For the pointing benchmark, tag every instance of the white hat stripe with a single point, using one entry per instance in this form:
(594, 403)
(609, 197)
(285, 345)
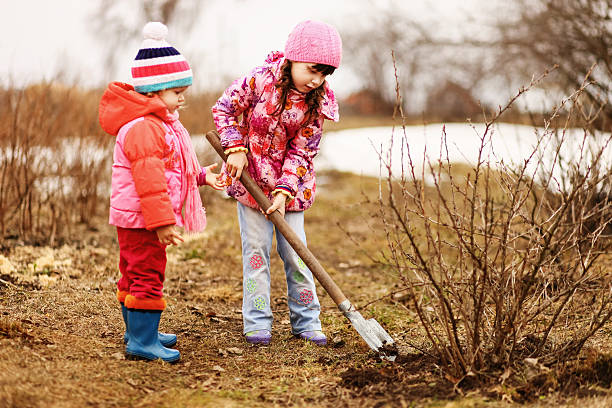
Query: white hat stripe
(162, 78)
(158, 65)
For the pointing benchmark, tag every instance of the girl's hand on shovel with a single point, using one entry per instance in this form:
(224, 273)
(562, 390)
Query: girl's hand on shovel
(278, 204)
(236, 162)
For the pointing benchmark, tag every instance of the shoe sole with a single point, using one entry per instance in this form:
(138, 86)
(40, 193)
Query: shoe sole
(318, 342)
(262, 342)
(167, 344)
(139, 357)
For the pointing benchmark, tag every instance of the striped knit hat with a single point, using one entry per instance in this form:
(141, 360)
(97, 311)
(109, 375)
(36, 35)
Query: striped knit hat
(158, 65)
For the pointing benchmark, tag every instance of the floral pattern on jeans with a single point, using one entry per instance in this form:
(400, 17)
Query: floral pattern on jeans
(306, 296)
(259, 303)
(251, 285)
(298, 277)
(256, 261)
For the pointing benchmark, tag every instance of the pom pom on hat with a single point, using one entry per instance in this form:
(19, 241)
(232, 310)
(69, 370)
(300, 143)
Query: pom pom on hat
(155, 31)
(314, 42)
(158, 65)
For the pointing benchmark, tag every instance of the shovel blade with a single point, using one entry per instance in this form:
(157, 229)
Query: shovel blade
(379, 331)
(371, 331)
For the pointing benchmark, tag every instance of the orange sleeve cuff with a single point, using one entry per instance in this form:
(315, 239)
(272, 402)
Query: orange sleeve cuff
(121, 295)
(132, 302)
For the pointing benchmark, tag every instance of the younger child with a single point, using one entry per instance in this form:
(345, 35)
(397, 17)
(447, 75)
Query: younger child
(155, 181)
(283, 104)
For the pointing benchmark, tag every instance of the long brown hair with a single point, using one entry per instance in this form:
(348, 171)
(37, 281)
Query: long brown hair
(313, 98)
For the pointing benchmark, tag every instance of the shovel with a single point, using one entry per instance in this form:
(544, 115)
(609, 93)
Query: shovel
(370, 330)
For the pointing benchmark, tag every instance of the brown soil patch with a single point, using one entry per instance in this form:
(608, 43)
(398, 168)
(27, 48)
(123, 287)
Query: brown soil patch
(61, 328)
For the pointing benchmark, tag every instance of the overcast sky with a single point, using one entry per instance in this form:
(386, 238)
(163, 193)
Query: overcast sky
(43, 37)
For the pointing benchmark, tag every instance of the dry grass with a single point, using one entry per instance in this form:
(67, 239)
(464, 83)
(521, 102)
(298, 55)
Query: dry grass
(55, 159)
(61, 327)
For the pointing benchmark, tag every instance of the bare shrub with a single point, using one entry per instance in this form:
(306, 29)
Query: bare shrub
(54, 161)
(197, 116)
(506, 263)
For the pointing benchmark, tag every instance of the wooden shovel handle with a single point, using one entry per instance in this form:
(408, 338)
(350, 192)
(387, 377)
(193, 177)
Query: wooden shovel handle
(277, 219)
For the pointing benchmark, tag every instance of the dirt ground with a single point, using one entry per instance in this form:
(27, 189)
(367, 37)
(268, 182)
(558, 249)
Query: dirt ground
(61, 327)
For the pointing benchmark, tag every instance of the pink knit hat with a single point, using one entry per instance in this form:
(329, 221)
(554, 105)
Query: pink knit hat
(314, 42)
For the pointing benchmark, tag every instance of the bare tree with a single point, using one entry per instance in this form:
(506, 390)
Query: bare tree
(54, 161)
(427, 54)
(115, 32)
(572, 34)
(368, 51)
(503, 45)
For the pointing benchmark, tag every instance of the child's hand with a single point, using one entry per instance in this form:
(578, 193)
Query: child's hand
(169, 235)
(236, 162)
(278, 204)
(214, 179)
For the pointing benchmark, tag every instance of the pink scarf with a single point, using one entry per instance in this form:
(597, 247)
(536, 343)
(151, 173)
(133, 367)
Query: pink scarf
(194, 215)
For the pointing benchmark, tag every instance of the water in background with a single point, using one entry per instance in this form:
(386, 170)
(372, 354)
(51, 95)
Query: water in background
(364, 151)
(360, 151)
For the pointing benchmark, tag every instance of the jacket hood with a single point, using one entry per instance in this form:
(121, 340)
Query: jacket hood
(120, 104)
(274, 61)
(329, 106)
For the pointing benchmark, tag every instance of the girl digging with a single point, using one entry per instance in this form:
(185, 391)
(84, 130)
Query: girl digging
(155, 180)
(283, 105)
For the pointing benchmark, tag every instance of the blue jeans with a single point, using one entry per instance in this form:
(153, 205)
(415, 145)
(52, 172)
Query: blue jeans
(256, 234)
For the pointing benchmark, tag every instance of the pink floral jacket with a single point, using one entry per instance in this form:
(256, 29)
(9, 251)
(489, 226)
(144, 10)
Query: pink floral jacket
(280, 151)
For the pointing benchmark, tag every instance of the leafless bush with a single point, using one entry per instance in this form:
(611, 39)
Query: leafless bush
(196, 116)
(54, 161)
(506, 262)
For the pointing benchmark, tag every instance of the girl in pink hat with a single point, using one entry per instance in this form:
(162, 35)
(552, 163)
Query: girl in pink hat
(270, 123)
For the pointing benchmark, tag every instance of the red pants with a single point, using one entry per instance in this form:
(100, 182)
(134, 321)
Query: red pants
(142, 263)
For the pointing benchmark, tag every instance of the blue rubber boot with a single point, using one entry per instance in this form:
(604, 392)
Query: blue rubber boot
(166, 339)
(144, 339)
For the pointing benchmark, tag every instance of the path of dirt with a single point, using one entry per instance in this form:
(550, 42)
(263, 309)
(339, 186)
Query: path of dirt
(61, 329)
